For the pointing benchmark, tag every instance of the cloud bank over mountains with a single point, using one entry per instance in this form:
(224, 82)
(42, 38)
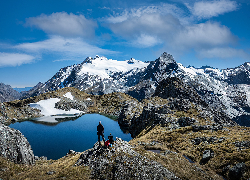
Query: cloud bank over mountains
(179, 29)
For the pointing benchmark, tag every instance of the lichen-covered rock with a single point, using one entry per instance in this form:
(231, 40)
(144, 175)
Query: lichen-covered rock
(68, 104)
(207, 155)
(122, 162)
(14, 146)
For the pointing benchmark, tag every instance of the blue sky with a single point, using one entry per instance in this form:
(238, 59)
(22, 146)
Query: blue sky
(37, 38)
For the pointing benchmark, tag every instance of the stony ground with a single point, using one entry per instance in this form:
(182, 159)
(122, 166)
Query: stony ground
(121, 162)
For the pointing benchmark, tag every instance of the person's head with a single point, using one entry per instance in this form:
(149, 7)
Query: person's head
(100, 122)
(110, 134)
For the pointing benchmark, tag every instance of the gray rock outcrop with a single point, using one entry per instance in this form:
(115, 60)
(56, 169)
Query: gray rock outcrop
(14, 146)
(121, 162)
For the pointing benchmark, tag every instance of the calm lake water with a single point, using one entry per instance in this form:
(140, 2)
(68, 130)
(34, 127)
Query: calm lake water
(54, 140)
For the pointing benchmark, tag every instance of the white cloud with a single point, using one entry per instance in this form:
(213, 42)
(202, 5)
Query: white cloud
(223, 53)
(155, 24)
(177, 30)
(15, 59)
(208, 9)
(144, 41)
(162, 9)
(67, 47)
(143, 27)
(64, 24)
(204, 35)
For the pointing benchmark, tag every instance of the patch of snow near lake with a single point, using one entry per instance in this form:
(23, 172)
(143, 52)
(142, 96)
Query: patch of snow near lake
(69, 95)
(47, 107)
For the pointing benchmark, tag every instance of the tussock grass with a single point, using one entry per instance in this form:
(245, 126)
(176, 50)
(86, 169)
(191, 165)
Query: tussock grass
(180, 141)
(52, 169)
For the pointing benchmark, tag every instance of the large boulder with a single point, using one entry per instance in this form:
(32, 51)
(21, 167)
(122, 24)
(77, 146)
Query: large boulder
(14, 146)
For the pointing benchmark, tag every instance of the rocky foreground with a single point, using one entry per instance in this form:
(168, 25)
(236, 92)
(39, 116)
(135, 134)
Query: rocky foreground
(14, 146)
(121, 162)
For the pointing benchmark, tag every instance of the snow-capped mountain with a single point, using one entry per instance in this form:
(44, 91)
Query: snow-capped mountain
(227, 90)
(97, 75)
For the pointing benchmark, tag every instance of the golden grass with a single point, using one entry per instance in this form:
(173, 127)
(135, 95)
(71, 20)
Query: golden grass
(178, 164)
(61, 169)
(226, 153)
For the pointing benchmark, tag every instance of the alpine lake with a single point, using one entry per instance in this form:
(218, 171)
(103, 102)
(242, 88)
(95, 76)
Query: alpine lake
(54, 139)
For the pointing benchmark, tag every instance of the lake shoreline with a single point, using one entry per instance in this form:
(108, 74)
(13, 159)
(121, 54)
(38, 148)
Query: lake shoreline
(85, 127)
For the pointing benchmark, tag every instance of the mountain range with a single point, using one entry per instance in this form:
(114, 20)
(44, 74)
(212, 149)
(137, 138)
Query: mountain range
(226, 90)
(180, 117)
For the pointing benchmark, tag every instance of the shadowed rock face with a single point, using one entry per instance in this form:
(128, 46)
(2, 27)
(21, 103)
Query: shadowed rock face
(175, 88)
(14, 146)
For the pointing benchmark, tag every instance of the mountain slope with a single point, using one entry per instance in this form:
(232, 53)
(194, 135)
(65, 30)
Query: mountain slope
(7, 93)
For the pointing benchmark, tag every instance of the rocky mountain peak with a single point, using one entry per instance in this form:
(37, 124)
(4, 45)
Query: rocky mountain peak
(131, 61)
(166, 63)
(161, 68)
(87, 60)
(238, 75)
(168, 58)
(7, 93)
(246, 65)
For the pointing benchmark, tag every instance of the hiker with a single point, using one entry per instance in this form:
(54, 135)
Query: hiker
(111, 140)
(100, 132)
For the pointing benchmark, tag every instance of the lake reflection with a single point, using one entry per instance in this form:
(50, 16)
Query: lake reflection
(54, 140)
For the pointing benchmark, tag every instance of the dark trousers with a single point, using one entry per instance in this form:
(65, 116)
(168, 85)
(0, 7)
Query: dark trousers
(102, 138)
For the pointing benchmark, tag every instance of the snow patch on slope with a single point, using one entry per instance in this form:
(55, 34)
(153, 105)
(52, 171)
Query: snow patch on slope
(47, 107)
(69, 95)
